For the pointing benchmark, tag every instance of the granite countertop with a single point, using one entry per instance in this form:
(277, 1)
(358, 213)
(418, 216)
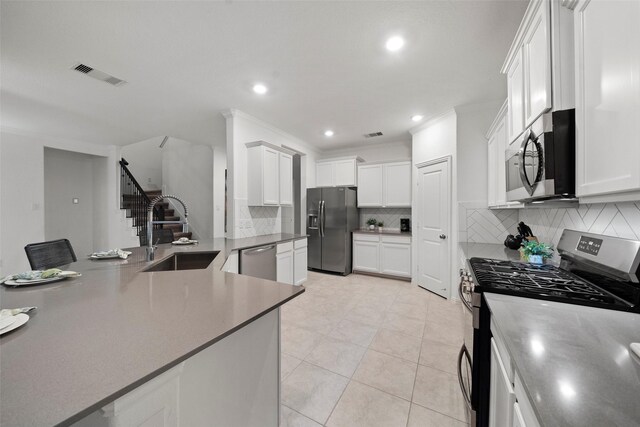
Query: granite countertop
(97, 337)
(389, 232)
(574, 361)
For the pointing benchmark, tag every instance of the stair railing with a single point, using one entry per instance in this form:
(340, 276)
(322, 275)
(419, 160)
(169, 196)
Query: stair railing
(135, 200)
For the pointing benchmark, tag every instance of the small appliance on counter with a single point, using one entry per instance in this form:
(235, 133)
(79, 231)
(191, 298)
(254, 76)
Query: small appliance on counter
(405, 224)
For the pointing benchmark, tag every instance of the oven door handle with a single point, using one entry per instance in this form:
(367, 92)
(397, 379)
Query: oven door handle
(461, 293)
(464, 353)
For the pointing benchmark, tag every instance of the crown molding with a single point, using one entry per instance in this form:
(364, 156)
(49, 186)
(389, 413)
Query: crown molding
(431, 121)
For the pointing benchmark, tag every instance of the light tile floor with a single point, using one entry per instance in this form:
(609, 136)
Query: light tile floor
(366, 351)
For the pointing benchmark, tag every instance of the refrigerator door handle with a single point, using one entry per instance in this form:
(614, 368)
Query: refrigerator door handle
(322, 217)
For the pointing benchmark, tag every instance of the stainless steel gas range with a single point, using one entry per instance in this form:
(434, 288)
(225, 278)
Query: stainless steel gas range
(595, 270)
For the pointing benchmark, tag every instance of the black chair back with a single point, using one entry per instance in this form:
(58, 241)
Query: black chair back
(55, 253)
(162, 235)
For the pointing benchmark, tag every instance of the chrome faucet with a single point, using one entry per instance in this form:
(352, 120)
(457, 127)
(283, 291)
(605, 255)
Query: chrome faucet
(151, 248)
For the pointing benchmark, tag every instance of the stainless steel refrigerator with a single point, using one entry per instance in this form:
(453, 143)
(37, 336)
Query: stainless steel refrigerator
(331, 217)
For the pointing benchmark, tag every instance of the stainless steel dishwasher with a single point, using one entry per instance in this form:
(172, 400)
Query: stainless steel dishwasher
(259, 262)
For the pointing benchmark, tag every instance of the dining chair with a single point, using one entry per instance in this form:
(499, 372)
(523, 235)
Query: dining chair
(51, 254)
(160, 235)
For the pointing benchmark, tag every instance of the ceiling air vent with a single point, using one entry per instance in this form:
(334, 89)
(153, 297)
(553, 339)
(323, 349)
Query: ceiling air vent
(372, 135)
(98, 75)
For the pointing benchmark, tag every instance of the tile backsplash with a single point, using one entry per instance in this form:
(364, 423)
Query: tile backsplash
(481, 225)
(389, 216)
(256, 220)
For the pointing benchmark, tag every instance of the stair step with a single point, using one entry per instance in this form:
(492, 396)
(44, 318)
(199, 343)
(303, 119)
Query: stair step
(168, 215)
(174, 227)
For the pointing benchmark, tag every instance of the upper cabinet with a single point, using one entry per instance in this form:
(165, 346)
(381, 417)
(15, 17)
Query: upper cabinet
(497, 144)
(607, 87)
(337, 172)
(269, 175)
(539, 65)
(384, 185)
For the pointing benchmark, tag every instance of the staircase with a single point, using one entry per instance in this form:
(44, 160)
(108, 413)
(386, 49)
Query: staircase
(135, 201)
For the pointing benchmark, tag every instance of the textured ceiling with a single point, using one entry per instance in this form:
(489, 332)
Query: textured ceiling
(324, 63)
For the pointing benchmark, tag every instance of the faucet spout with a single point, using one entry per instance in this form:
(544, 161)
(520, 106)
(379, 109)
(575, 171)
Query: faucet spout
(150, 222)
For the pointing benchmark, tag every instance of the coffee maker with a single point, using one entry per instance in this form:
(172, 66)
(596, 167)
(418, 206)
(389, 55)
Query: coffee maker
(405, 224)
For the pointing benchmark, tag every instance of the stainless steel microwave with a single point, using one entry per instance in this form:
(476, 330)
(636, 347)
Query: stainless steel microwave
(542, 163)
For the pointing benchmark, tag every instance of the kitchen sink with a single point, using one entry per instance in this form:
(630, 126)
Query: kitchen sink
(184, 261)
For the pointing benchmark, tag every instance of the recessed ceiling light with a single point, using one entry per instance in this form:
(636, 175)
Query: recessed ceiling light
(416, 118)
(328, 132)
(260, 89)
(394, 43)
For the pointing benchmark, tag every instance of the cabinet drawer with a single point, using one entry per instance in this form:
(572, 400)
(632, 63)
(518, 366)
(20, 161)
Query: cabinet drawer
(284, 247)
(396, 239)
(301, 243)
(366, 237)
(504, 354)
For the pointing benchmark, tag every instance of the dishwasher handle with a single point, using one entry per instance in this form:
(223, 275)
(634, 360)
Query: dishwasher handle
(258, 250)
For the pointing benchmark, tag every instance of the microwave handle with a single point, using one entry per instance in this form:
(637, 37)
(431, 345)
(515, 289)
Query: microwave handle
(523, 171)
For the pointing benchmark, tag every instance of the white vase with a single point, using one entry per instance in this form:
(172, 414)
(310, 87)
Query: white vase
(372, 227)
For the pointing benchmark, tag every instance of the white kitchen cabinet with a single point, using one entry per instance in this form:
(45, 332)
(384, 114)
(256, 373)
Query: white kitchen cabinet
(537, 64)
(286, 179)
(382, 254)
(397, 184)
(299, 261)
(284, 263)
(607, 38)
(501, 393)
(263, 187)
(337, 172)
(496, 170)
(231, 264)
(395, 256)
(370, 188)
(269, 175)
(518, 419)
(515, 96)
(384, 185)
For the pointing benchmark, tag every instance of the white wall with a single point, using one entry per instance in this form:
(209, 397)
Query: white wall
(69, 175)
(22, 192)
(187, 172)
(436, 139)
(145, 161)
(241, 129)
(384, 152)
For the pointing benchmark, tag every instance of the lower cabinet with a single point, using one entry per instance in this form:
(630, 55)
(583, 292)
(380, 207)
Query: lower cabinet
(231, 264)
(291, 265)
(386, 255)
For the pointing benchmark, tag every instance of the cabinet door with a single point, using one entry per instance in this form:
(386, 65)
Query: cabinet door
(501, 394)
(607, 40)
(537, 64)
(271, 176)
(518, 419)
(286, 179)
(370, 188)
(397, 185)
(345, 172)
(515, 97)
(325, 174)
(395, 259)
(300, 266)
(284, 272)
(366, 256)
(500, 168)
(492, 174)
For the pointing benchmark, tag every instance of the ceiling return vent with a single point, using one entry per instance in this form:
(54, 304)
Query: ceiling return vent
(372, 135)
(98, 75)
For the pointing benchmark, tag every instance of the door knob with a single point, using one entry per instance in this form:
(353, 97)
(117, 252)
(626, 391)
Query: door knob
(443, 236)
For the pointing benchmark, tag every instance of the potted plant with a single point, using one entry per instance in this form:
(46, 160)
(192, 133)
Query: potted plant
(380, 225)
(536, 252)
(372, 222)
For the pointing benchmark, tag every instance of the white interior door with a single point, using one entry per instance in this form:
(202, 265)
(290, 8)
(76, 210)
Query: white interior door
(434, 210)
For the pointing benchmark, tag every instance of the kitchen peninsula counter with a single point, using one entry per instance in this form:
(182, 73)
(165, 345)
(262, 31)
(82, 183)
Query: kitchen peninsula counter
(95, 338)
